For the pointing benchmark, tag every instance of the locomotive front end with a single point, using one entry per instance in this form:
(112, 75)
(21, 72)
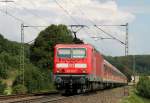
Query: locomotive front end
(70, 67)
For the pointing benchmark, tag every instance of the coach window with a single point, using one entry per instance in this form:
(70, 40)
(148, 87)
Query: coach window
(105, 67)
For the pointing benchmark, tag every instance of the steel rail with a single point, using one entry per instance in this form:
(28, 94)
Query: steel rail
(20, 96)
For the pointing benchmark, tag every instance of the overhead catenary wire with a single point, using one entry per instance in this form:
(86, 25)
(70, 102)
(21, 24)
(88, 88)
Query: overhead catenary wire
(80, 10)
(30, 12)
(14, 17)
(17, 18)
(6, 1)
(73, 19)
(21, 20)
(66, 11)
(109, 35)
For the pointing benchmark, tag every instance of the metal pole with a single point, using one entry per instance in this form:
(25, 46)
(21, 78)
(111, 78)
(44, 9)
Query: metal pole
(127, 41)
(134, 68)
(6, 1)
(22, 53)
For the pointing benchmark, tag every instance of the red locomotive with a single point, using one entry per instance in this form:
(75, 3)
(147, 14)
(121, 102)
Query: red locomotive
(80, 67)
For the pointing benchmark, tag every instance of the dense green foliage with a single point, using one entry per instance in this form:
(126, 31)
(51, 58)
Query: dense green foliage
(10, 69)
(35, 80)
(143, 87)
(19, 89)
(2, 87)
(8, 56)
(134, 98)
(142, 63)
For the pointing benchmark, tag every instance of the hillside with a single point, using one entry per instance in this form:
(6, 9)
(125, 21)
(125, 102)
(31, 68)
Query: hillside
(9, 57)
(142, 63)
(10, 73)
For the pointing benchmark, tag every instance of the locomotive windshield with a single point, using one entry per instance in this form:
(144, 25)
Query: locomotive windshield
(64, 53)
(71, 52)
(78, 52)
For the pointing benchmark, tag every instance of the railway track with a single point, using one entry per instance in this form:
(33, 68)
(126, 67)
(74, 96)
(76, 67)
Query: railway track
(48, 98)
(39, 99)
(26, 97)
(103, 95)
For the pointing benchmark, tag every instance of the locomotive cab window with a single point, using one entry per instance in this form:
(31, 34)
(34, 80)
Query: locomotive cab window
(71, 53)
(78, 52)
(64, 53)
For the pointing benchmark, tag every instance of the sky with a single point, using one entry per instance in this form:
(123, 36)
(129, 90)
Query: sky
(86, 12)
(139, 28)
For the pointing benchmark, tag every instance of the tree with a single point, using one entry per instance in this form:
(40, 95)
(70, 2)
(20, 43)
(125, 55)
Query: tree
(2, 87)
(143, 86)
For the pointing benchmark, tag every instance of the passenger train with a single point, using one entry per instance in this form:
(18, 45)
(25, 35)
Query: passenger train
(80, 67)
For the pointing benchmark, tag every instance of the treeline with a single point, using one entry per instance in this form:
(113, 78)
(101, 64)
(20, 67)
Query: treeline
(125, 64)
(10, 71)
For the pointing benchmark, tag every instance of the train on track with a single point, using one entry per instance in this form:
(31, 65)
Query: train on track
(80, 68)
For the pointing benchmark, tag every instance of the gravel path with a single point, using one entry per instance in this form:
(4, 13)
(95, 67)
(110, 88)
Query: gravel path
(105, 96)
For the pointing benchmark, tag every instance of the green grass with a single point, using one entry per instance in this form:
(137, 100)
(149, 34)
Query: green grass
(134, 98)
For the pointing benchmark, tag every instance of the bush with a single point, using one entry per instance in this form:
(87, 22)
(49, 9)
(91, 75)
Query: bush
(8, 91)
(19, 89)
(35, 79)
(2, 87)
(143, 87)
(3, 69)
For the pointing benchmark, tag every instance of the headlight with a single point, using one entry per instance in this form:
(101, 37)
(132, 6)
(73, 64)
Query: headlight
(80, 65)
(62, 65)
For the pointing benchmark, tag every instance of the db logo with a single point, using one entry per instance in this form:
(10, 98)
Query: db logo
(71, 65)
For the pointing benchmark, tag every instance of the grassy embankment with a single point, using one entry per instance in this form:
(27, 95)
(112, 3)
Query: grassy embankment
(134, 98)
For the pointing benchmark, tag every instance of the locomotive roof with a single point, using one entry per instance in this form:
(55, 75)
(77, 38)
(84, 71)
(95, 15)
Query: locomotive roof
(73, 45)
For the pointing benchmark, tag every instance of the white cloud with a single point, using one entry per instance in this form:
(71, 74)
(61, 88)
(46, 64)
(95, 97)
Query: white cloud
(46, 12)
